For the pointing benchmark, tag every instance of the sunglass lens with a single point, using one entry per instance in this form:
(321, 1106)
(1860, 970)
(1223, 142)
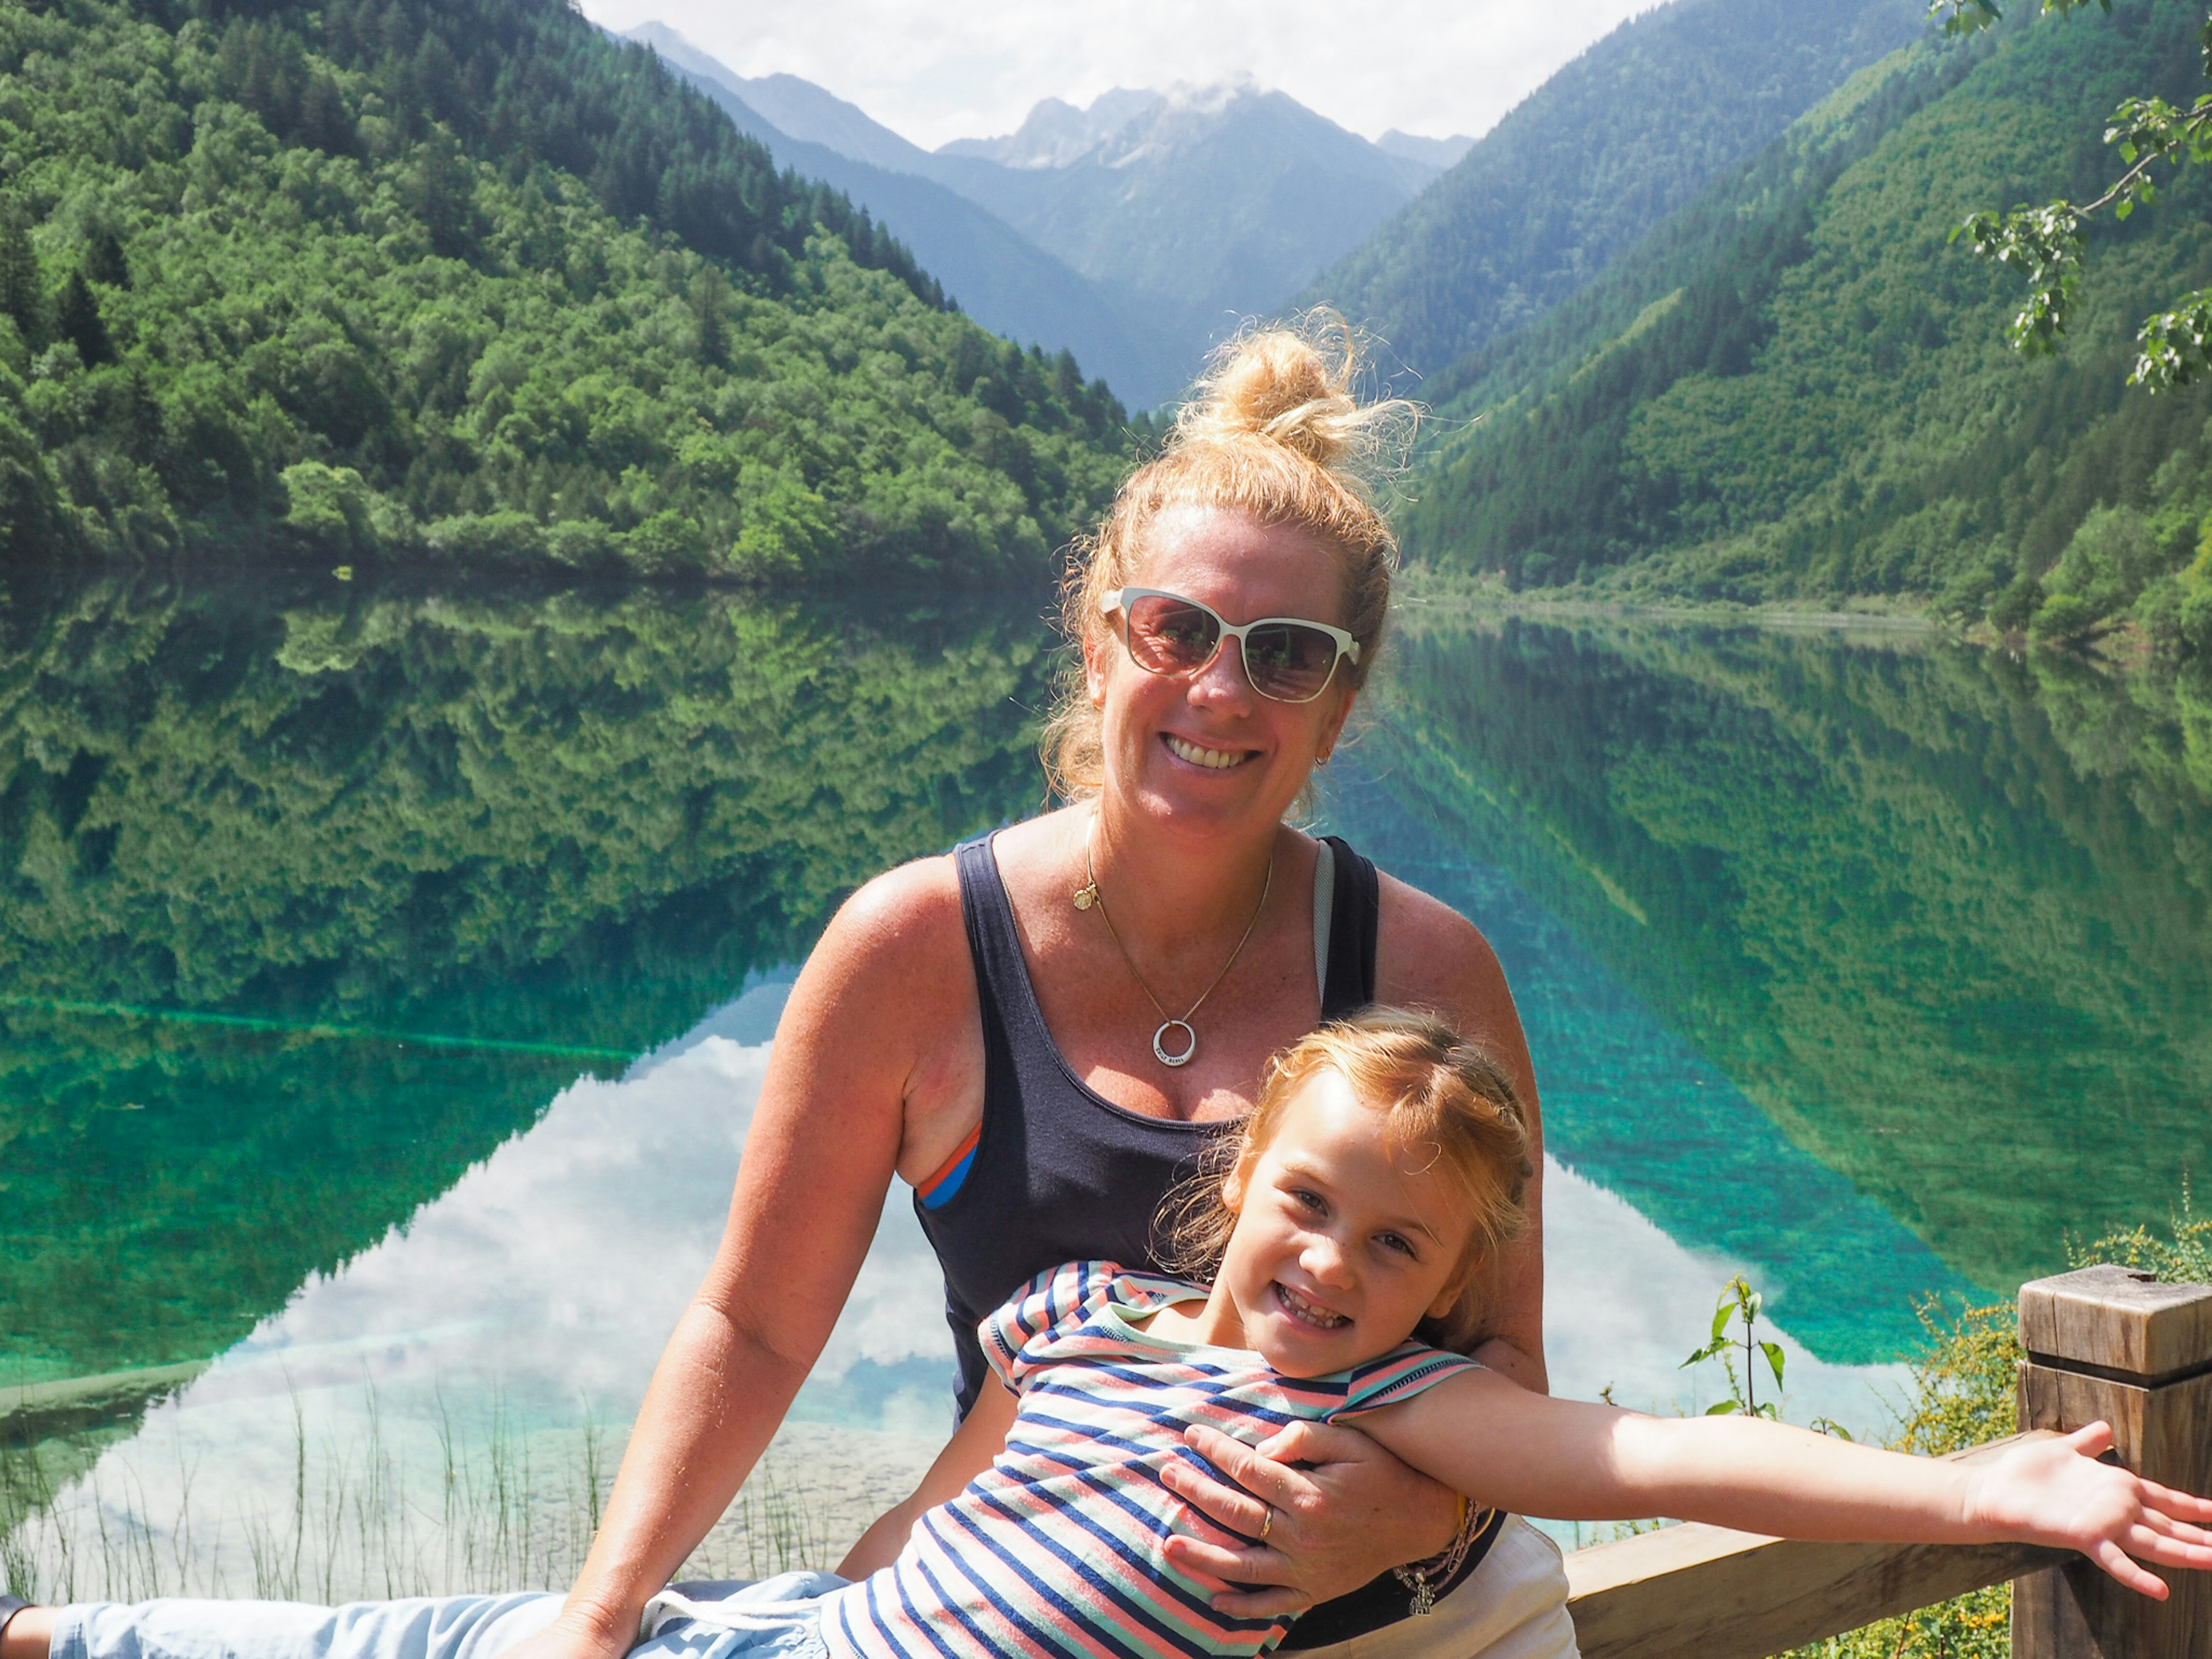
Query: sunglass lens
(1170, 636)
(1289, 661)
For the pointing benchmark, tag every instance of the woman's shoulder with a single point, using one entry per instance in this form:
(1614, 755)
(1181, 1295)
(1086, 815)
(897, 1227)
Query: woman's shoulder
(912, 907)
(1428, 955)
(903, 935)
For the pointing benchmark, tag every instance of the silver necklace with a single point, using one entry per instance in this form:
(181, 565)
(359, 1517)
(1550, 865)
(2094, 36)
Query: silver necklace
(1087, 896)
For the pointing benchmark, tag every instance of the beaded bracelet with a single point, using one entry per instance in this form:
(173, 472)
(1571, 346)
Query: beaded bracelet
(1417, 1577)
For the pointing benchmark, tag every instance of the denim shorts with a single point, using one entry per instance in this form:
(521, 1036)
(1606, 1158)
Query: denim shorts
(778, 1618)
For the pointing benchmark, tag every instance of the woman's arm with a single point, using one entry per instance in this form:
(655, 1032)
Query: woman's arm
(975, 1446)
(1428, 956)
(1508, 1448)
(864, 1027)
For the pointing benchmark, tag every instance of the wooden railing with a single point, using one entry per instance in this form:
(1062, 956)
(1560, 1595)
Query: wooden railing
(2102, 1342)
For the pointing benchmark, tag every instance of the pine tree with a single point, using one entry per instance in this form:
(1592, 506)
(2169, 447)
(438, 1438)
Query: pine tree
(78, 319)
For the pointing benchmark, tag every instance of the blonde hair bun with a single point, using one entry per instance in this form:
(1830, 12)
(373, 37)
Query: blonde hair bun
(1297, 385)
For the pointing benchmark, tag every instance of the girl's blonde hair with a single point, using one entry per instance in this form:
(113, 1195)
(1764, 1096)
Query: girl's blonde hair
(1276, 430)
(1441, 1097)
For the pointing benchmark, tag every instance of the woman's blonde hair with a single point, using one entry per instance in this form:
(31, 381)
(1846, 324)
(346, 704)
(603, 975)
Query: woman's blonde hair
(1444, 1099)
(1274, 429)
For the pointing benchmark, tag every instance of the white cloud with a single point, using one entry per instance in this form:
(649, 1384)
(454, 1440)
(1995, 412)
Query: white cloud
(935, 73)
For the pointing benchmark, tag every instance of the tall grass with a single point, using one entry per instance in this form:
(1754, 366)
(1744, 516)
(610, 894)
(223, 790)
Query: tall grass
(495, 1508)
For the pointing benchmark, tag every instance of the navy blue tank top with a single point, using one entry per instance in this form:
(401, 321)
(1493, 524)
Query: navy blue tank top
(1059, 1173)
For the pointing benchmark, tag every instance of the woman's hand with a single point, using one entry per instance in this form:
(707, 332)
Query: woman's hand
(578, 1632)
(2054, 1492)
(1347, 1512)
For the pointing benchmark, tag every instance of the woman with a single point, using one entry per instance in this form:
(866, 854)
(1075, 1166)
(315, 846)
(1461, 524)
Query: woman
(1039, 1032)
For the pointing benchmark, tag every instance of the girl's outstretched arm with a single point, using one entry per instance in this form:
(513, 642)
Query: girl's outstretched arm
(1508, 1448)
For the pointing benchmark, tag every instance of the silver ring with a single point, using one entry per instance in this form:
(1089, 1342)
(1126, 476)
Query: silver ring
(1266, 1521)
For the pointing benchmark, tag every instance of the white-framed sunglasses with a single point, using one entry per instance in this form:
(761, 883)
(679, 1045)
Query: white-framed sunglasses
(1286, 659)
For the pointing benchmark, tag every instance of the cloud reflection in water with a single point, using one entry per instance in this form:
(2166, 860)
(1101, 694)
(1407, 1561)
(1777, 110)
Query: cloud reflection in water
(548, 1277)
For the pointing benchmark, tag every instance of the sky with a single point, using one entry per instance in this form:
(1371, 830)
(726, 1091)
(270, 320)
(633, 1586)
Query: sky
(934, 72)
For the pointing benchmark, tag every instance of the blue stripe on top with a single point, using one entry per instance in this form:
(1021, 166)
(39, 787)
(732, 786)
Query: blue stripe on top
(1056, 1550)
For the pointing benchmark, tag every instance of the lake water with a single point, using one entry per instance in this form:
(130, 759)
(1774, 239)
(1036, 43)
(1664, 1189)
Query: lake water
(386, 978)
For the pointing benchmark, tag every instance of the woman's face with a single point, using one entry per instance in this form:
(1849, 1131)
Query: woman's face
(1208, 753)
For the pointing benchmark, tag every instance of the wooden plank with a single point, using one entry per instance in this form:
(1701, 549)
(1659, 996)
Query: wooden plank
(2164, 1434)
(1698, 1592)
(2117, 1322)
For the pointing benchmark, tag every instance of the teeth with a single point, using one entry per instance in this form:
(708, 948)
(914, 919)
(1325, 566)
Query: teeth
(1219, 759)
(1311, 1312)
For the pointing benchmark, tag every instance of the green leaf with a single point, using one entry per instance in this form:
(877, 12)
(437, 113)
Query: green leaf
(1726, 1408)
(1773, 1353)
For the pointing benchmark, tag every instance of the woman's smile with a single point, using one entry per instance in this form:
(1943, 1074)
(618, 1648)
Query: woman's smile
(1214, 760)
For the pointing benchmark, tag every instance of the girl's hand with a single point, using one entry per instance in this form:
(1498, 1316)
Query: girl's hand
(2054, 1492)
(1347, 1512)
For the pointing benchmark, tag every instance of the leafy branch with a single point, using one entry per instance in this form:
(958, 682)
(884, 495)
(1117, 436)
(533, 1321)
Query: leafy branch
(1739, 1301)
(2046, 245)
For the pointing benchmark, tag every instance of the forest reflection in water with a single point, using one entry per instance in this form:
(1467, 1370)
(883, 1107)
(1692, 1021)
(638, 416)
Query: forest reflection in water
(385, 978)
(1938, 915)
(313, 899)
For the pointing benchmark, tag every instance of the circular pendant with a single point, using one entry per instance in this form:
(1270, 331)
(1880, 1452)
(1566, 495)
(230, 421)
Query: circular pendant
(1160, 1047)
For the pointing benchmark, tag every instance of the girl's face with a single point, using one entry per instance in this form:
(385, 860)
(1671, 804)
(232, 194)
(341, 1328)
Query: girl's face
(1209, 752)
(1340, 1250)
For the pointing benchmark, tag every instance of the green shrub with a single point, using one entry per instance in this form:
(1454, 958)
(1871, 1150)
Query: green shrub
(2013, 609)
(2192, 620)
(2183, 1257)
(488, 539)
(328, 505)
(2111, 557)
(581, 544)
(2065, 618)
(1964, 1395)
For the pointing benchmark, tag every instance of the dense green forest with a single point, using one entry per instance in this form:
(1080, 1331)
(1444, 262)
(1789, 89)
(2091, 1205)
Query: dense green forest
(1584, 166)
(1940, 912)
(1800, 386)
(560, 830)
(471, 282)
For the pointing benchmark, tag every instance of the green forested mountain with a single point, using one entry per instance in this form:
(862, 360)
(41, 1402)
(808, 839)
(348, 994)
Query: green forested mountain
(1593, 159)
(468, 281)
(1800, 385)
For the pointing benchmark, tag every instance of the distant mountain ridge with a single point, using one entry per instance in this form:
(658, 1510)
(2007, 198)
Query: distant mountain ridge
(1135, 232)
(1203, 205)
(1592, 160)
(1439, 153)
(999, 277)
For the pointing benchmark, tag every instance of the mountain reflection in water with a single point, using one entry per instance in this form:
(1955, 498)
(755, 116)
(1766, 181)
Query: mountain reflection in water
(374, 970)
(1911, 937)
(551, 830)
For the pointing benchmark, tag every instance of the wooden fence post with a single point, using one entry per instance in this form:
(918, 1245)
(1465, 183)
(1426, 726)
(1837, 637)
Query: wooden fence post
(2112, 1344)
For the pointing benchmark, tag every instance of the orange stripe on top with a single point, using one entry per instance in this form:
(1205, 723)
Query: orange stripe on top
(951, 1169)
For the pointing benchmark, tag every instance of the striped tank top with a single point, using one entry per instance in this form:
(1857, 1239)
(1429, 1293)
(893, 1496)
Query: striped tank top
(1055, 1551)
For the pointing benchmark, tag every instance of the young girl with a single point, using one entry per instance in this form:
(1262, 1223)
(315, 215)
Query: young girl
(1382, 1165)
